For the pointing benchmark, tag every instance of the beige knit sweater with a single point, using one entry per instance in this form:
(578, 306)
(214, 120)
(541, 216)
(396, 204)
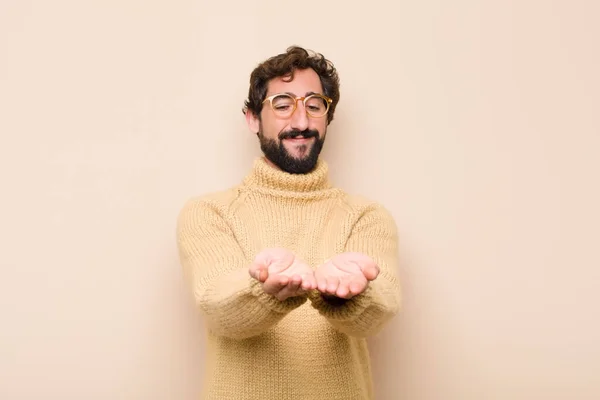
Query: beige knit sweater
(259, 348)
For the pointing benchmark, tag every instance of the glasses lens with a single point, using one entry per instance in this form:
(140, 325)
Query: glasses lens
(316, 106)
(283, 105)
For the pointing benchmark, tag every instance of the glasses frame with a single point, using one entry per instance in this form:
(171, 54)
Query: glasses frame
(328, 101)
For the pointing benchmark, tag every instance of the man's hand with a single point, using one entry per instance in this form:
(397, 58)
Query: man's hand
(282, 274)
(346, 275)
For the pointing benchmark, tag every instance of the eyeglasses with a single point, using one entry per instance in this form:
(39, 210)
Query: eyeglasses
(284, 105)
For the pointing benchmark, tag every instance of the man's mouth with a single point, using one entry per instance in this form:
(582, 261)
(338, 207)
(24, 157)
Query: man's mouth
(299, 138)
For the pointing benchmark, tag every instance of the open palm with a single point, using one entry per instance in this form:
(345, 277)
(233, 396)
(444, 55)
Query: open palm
(346, 275)
(282, 273)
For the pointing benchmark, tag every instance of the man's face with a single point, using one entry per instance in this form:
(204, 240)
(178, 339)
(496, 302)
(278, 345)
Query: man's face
(293, 144)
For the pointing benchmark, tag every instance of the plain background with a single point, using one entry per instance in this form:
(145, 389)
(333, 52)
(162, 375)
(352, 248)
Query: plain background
(475, 122)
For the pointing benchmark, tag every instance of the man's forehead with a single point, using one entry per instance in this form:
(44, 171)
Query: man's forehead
(305, 82)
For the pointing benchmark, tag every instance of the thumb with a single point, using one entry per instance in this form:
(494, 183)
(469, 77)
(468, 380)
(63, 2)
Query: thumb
(370, 270)
(258, 271)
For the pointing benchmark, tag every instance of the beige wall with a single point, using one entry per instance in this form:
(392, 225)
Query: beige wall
(476, 123)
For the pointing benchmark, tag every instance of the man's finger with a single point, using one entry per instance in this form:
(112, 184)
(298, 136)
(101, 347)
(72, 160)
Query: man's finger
(309, 282)
(321, 282)
(356, 287)
(263, 274)
(293, 285)
(275, 283)
(332, 284)
(258, 272)
(370, 270)
(291, 289)
(343, 290)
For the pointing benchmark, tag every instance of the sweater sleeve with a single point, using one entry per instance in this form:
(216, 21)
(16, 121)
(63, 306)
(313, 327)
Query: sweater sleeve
(374, 234)
(232, 303)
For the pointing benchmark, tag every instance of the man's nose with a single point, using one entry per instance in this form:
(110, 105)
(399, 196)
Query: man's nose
(299, 118)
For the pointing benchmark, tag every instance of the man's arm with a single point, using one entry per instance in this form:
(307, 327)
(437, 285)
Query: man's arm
(375, 235)
(232, 302)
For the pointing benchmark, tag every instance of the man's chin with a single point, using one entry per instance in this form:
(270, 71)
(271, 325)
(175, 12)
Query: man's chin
(297, 163)
(296, 158)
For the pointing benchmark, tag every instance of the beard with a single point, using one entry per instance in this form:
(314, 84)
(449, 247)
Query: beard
(276, 152)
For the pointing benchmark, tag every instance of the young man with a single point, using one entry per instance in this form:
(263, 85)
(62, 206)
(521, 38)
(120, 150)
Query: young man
(290, 273)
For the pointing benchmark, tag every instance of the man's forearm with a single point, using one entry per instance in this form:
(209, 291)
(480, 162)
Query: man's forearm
(363, 315)
(236, 306)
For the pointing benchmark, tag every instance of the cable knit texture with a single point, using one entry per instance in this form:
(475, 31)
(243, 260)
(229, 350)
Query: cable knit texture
(304, 348)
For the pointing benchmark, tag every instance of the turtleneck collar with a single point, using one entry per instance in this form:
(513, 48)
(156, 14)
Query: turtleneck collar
(265, 176)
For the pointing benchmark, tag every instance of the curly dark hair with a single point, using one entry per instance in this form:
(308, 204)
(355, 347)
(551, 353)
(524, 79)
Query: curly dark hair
(284, 65)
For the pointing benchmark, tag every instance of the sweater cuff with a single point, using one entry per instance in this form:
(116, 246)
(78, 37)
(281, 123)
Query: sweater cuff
(271, 302)
(341, 309)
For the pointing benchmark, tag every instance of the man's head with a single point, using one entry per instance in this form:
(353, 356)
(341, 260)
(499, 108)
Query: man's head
(291, 101)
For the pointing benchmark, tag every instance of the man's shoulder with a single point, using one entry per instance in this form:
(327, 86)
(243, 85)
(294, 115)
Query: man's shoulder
(217, 202)
(361, 204)
(223, 196)
(367, 211)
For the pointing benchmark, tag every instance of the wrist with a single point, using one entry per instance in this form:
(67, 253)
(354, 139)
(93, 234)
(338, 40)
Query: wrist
(338, 308)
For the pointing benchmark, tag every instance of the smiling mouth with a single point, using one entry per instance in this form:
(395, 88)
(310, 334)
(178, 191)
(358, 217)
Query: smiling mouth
(298, 138)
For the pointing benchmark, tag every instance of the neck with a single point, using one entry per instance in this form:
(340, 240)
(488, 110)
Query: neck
(266, 175)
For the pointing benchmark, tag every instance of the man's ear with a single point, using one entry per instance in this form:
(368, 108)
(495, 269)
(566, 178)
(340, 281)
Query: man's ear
(252, 121)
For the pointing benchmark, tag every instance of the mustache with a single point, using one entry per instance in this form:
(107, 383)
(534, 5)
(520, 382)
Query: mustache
(308, 133)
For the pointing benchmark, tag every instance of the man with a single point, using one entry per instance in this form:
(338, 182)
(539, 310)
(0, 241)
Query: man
(290, 273)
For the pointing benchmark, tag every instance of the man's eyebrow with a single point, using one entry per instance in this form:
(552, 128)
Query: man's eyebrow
(306, 94)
